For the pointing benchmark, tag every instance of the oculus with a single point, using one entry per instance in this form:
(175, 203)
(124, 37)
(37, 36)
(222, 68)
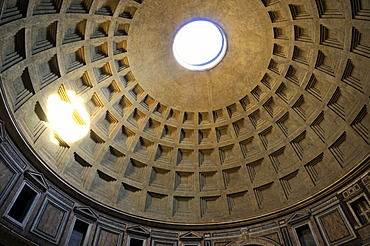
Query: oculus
(199, 45)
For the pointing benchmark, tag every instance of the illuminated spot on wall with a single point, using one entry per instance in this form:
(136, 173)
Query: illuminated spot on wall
(67, 116)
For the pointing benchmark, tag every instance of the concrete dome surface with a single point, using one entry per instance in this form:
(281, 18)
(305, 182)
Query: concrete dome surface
(271, 128)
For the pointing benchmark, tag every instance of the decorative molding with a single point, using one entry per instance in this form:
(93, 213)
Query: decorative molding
(190, 236)
(86, 212)
(138, 230)
(298, 217)
(37, 178)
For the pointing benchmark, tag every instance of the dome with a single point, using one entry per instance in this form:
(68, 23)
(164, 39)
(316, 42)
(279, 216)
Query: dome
(270, 128)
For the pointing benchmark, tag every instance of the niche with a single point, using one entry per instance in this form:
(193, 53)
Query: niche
(78, 235)
(20, 208)
(305, 236)
(136, 242)
(361, 209)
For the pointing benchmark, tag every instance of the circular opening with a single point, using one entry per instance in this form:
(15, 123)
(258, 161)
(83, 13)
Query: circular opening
(199, 45)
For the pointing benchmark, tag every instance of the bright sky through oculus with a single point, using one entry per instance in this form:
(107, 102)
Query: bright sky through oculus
(199, 45)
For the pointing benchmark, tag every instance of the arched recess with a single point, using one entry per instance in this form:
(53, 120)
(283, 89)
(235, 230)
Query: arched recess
(251, 241)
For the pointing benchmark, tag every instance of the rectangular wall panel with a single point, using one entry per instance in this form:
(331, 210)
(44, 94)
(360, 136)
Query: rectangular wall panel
(109, 232)
(107, 237)
(51, 220)
(334, 226)
(8, 177)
